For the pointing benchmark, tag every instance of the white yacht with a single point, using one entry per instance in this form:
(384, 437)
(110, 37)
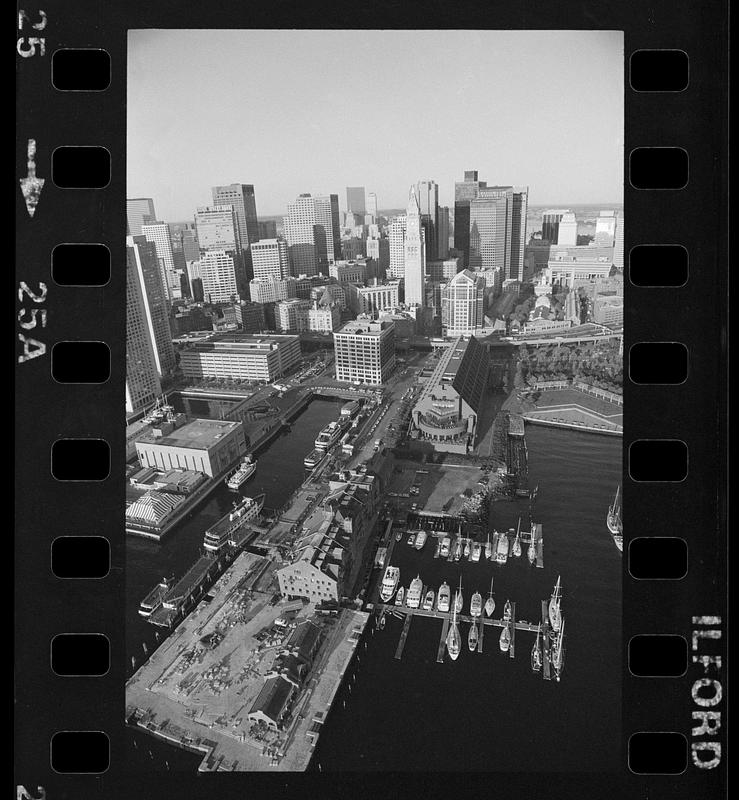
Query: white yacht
(389, 583)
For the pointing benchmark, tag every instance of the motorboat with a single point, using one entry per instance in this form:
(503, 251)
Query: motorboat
(389, 583)
(476, 605)
(442, 599)
(400, 596)
(472, 637)
(413, 600)
(490, 603)
(428, 601)
(505, 639)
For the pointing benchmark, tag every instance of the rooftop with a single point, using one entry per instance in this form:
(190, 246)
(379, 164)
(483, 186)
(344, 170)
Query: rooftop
(241, 342)
(200, 434)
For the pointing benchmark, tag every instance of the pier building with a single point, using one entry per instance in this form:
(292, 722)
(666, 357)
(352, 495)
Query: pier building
(209, 446)
(446, 412)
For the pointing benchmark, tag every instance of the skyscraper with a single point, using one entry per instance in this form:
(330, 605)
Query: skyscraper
(462, 304)
(428, 201)
(312, 233)
(241, 197)
(442, 234)
(464, 192)
(550, 220)
(270, 258)
(139, 211)
(355, 200)
(218, 273)
(567, 230)
(267, 229)
(414, 252)
(217, 228)
(618, 242)
(497, 230)
(143, 266)
(396, 246)
(159, 234)
(372, 205)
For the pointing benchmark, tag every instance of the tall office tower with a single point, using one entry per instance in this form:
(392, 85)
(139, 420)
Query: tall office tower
(142, 377)
(605, 228)
(270, 258)
(312, 233)
(372, 206)
(141, 257)
(158, 233)
(567, 234)
(550, 224)
(497, 230)
(355, 200)
(618, 242)
(267, 229)
(464, 192)
(462, 302)
(217, 228)
(414, 252)
(428, 202)
(190, 246)
(443, 270)
(218, 273)
(442, 233)
(139, 211)
(364, 351)
(396, 246)
(241, 197)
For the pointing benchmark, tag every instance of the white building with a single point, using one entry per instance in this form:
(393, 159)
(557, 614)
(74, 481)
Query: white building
(218, 273)
(353, 271)
(217, 229)
(139, 211)
(270, 259)
(159, 234)
(414, 252)
(291, 316)
(567, 236)
(374, 298)
(270, 290)
(323, 319)
(312, 233)
(396, 240)
(462, 304)
(364, 351)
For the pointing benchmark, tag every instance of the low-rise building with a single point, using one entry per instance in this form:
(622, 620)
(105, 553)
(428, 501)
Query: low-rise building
(351, 271)
(273, 702)
(291, 316)
(323, 319)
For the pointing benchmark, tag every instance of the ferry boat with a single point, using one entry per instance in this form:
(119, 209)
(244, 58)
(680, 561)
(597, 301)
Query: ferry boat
(331, 434)
(414, 593)
(242, 473)
(555, 614)
(505, 639)
(428, 601)
(453, 639)
(476, 550)
(488, 548)
(536, 657)
(350, 409)
(218, 535)
(517, 541)
(501, 556)
(400, 596)
(613, 521)
(459, 598)
(472, 637)
(389, 583)
(314, 458)
(421, 537)
(153, 600)
(444, 551)
(558, 656)
(476, 604)
(490, 603)
(442, 599)
(507, 611)
(412, 539)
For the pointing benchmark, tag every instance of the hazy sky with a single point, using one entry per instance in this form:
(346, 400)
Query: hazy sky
(316, 111)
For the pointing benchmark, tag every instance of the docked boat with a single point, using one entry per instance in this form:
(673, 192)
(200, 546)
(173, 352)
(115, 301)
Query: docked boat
(414, 593)
(516, 550)
(457, 549)
(613, 521)
(555, 614)
(458, 598)
(490, 603)
(438, 548)
(398, 536)
(314, 458)
(331, 434)
(536, 656)
(476, 604)
(400, 596)
(476, 550)
(488, 548)
(558, 655)
(381, 622)
(219, 535)
(445, 542)
(389, 583)
(242, 473)
(453, 639)
(501, 555)
(154, 599)
(411, 539)
(350, 409)
(472, 637)
(507, 611)
(505, 639)
(532, 546)
(421, 537)
(467, 549)
(442, 599)
(428, 601)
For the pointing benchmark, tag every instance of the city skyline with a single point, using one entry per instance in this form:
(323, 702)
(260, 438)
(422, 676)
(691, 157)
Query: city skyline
(373, 140)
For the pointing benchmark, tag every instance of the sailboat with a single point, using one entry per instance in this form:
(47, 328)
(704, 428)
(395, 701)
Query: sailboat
(517, 541)
(507, 611)
(558, 654)
(536, 659)
(488, 548)
(458, 598)
(555, 615)
(505, 639)
(532, 546)
(472, 637)
(490, 603)
(613, 521)
(453, 639)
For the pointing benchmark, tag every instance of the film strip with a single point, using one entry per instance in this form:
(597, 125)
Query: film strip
(70, 368)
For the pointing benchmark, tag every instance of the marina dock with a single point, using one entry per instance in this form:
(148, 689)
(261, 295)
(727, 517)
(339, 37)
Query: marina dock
(545, 631)
(403, 636)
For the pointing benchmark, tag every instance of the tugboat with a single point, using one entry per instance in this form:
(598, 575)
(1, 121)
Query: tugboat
(414, 592)
(428, 603)
(476, 605)
(442, 600)
(613, 521)
(472, 637)
(505, 639)
(555, 615)
(488, 548)
(517, 541)
(536, 658)
(458, 598)
(389, 583)
(490, 603)
(400, 596)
